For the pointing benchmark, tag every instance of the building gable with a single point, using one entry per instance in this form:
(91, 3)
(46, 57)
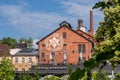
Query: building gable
(68, 26)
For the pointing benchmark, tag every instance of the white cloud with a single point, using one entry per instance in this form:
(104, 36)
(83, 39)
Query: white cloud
(81, 9)
(35, 24)
(31, 23)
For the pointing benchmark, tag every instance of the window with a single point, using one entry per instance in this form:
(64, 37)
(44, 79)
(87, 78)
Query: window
(52, 55)
(16, 60)
(73, 51)
(81, 48)
(43, 45)
(64, 35)
(64, 45)
(65, 55)
(23, 60)
(43, 55)
(79, 59)
(23, 69)
(30, 60)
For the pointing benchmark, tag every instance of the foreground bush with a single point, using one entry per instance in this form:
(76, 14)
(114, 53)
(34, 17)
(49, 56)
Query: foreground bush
(100, 75)
(117, 76)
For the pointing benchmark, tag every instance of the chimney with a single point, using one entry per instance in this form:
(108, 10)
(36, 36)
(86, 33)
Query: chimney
(80, 23)
(91, 31)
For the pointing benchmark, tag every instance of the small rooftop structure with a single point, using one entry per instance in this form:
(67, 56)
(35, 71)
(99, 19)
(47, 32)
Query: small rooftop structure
(21, 46)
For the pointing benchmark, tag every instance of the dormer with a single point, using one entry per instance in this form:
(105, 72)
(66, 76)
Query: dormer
(65, 23)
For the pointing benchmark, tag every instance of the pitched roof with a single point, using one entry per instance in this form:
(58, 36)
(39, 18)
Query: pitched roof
(4, 50)
(66, 24)
(27, 52)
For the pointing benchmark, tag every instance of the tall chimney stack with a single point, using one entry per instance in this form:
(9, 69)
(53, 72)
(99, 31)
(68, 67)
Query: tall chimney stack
(91, 31)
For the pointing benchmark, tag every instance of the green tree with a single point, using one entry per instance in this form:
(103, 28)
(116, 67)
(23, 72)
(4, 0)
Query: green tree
(22, 40)
(85, 76)
(6, 69)
(108, 33)
(117, 76)
(37, 75)
(29, 42)
(24, 76)
(0, 42)
(20, 77)
(100, 75)
(9, 41)
(52, 78)
(69, 69)
(78, 74)
(90, 64)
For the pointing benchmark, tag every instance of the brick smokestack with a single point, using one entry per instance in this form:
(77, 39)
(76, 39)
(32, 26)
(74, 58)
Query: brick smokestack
(91, 31)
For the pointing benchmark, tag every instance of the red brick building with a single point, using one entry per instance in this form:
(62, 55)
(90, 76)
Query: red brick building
(65, 45)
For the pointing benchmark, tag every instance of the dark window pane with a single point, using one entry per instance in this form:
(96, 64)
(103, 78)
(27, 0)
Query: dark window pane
(43, 55)
(64, 35)
(16, 60)
(79, 48)
(30, 60)
(23, 60)
(83, 48)
(43, 45)
(64, 44)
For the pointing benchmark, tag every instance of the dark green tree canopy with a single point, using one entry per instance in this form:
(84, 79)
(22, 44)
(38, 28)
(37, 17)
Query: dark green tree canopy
(9, 41)
(108, 33)
(77, 74)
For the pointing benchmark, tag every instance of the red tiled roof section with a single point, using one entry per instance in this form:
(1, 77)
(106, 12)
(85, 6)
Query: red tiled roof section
(4, 50)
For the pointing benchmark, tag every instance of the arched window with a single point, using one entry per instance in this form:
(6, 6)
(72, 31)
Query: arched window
(30, 60)
(23, 60)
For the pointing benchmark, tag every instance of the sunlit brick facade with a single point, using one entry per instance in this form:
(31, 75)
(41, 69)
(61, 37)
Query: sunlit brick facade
(67, 46)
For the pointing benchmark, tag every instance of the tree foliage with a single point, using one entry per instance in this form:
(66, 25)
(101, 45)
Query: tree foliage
(117, 76)
(52, 78)
(78, 74)
(24, 76)
(108, 33)
(9, 41)
(37, 75)
(106, 4)
(100, 75)
(69, 69)
(90, 64)
(28, 42)
(6, 70)
(22, 40)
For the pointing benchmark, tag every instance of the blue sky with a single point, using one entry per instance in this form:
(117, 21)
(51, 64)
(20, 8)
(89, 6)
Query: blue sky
(37, 18)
